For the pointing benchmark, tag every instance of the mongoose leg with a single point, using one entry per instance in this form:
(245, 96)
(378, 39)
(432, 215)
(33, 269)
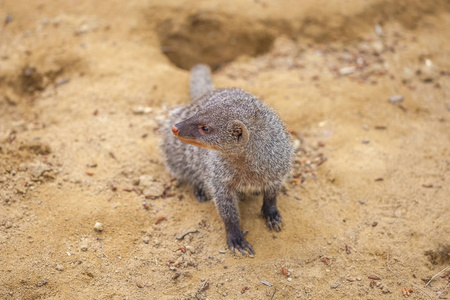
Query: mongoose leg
(199, 193)
(227, 207)
(270, 210)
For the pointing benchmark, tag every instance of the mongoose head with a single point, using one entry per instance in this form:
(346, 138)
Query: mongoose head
(215, 128)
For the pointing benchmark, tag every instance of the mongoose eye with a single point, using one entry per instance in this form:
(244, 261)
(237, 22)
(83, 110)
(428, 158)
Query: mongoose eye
(204, 129)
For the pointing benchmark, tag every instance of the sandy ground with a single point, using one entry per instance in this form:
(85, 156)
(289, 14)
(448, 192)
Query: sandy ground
(85, 85)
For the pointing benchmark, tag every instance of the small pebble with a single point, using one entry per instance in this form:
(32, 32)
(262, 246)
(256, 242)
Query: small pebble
(360, 61)
(396, 98)
(59, 267)
(98, 227)
(190, 249)
(385, 290)
(429, 72)
(37, 169)
(62, 81)
(378, 30)
(335, 285)
(296, 143)
(378, 46)
(365, 141)
(289, 279)
(8, 19)
(84, 248)
(139, 110)
(222, 251)
(266, 283)
(358, 278)
(347, 70)
(362, 202)
(408, 74)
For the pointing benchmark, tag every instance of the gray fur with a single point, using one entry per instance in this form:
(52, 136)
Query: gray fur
(236, 165)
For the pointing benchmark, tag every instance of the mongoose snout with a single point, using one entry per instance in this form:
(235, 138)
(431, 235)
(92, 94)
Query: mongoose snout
(224, 143)
(175, 130)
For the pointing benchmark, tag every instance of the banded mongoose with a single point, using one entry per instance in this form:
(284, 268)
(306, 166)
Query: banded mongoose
(224, 143)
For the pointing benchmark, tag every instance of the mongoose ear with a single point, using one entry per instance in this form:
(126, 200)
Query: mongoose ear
(239, 131)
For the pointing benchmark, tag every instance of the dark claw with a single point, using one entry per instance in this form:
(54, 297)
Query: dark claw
(277, 228)
(250, 249)
(239, 243)
(242, 251)
(199, 194)
(273, 219)
(269, 223)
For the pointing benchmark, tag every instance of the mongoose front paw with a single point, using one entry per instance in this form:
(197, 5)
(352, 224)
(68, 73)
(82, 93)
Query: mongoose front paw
(200, 194)
(237, 241)
(273, 218)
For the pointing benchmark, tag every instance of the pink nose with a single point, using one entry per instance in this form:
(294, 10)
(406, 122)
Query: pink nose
(175, 130)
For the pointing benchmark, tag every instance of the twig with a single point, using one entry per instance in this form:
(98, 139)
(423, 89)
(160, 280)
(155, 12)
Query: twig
(181, 236)
(396, 273)
(275, 290)
(100, 241)
(445, 269)
(156, 261)
(204, 285)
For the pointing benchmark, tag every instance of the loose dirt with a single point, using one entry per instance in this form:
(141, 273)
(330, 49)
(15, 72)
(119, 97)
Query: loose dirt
(362, 85)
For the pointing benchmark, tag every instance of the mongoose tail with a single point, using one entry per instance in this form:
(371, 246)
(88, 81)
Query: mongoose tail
(200, 82)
